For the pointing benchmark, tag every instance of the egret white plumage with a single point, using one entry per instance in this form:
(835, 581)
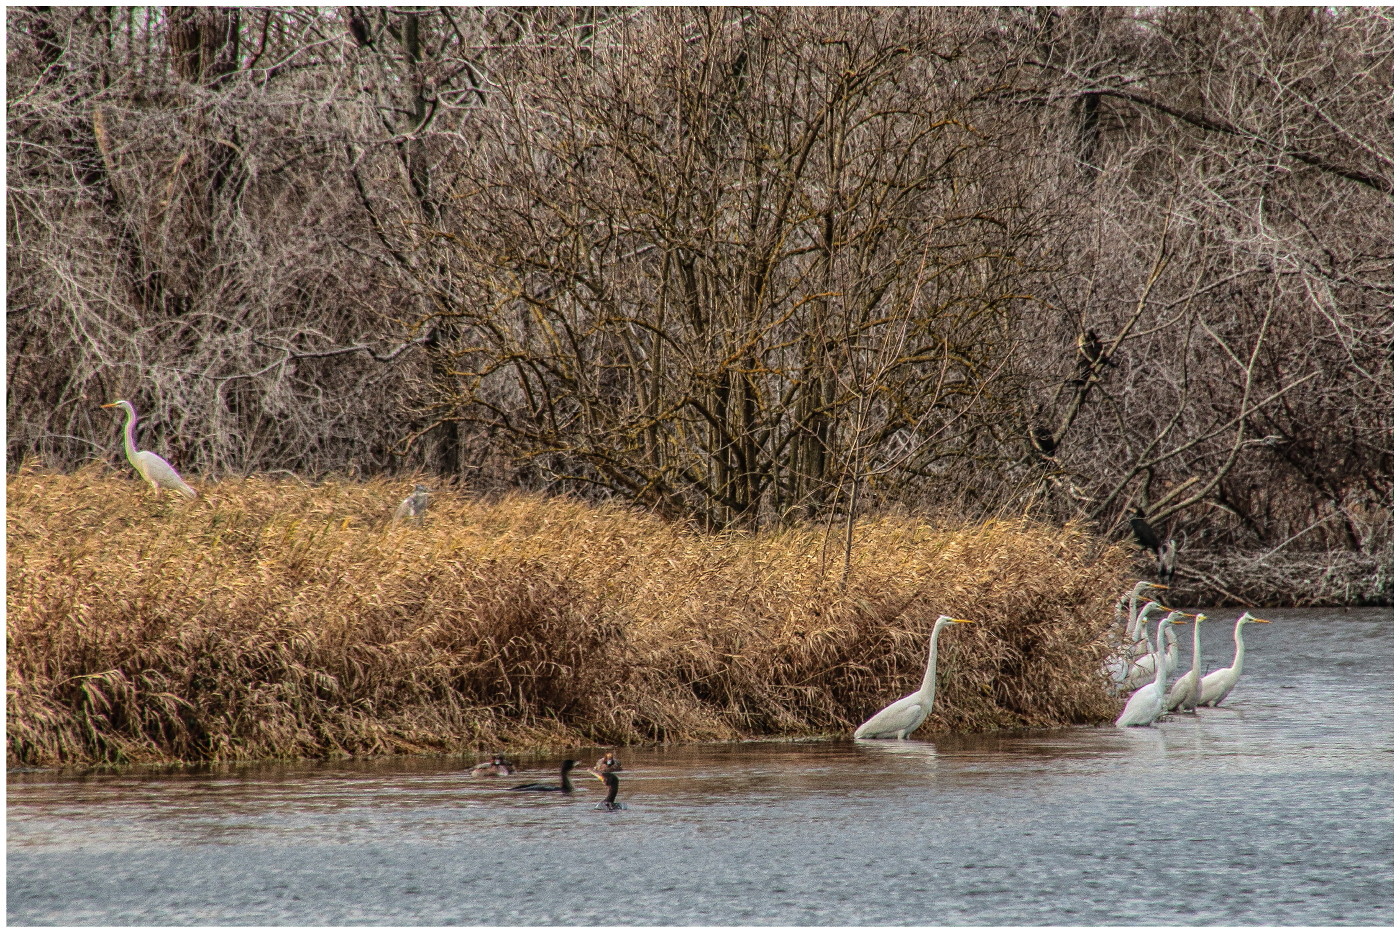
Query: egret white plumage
(1121, 667)
(1145, 706)
(1185, 694)
(414, 506)
(153, 468)
(1127, 607)
(1145, 667)
(906, 714)
(1216, 685)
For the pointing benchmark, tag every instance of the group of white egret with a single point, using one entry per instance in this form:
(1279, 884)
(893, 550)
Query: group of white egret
(1155, 663)
(1139, 665)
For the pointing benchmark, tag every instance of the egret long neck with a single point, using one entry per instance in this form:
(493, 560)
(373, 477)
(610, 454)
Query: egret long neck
(1239, 646)
(1161, 677)
(130, 434)
(1127, 603)
(1196, 649)
(927, 686)
(1140, 623)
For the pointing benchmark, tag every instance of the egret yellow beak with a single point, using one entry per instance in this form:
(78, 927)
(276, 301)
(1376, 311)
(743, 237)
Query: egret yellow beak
(966, 621)
(110, 405)
(1265, 621)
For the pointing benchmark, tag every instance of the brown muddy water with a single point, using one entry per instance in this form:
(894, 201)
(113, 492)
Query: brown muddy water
(1276, 809)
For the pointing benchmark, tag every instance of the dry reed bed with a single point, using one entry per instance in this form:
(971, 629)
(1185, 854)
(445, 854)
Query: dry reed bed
(269, 619)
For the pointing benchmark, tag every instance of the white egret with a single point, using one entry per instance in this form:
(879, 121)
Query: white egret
(1127, 607)
(1120, 667)
(1216, 685)
(608, 763)
(1185, 694)
(610, 802)
(153, 468)
(563, 786)
(496, 767)
(414, 506)
(1145, 706)
(1145, 667)
(906, 714)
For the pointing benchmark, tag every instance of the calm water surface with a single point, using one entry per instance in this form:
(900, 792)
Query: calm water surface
(1277, 810)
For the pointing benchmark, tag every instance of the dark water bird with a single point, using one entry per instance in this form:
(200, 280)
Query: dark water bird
(608, 763)
(1148, 539)
(1146, 535)
(564, 786)
(610, 802)
(496, 767)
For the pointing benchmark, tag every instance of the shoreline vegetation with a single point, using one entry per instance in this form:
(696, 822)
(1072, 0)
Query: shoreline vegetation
(271, 619)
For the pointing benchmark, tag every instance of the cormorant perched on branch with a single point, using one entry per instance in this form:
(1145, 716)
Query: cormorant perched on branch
(1146, 535)
(1148, 539)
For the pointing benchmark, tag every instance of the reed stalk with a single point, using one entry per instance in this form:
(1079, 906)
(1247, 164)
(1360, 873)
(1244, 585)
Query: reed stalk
(269, 619)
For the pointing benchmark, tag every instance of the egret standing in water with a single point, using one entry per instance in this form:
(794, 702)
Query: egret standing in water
(1146, 705)
(1145, 667)
(1128, 604)
(906, 714)
(1186, 692)
(1120, 667)
(564, 786)
(1216, 685)
(153, 468)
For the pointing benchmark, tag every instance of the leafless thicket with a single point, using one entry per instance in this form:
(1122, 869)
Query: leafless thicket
(742, 266)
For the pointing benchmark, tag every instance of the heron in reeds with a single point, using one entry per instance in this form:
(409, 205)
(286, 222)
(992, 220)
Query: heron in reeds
(608, 763)
(564, 786)
(610, 802)
(1145, 706)
(412, 508)
(1216, 685)
(152, 467)
(906, 714)
(1185, 694)
(496, 767)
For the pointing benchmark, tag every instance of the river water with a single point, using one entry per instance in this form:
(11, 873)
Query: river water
(1276, 809)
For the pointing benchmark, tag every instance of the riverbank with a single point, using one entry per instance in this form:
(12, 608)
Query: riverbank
(269, 619)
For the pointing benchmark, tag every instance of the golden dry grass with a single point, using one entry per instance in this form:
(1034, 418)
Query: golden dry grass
(271, 619)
